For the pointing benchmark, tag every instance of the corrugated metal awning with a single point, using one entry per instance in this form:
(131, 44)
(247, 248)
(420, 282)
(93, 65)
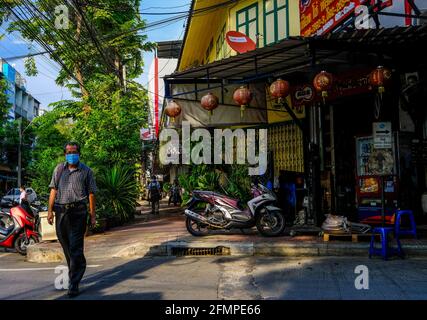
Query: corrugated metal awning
(297, 53)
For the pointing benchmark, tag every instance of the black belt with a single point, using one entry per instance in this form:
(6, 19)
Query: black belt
(73, 205)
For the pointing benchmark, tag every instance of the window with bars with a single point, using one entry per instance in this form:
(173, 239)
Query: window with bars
(247, 21)
(276, 21)
(286, 144)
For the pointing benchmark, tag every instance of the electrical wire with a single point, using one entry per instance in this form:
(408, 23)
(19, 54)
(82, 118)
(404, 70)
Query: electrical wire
(166, 64)
(175, 7)
(93, 36)
(165, 22)
(35, 36)
(45, 67)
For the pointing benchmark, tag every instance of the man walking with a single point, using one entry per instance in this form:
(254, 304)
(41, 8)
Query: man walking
(175, 193)
(154, 195)
(72, 187)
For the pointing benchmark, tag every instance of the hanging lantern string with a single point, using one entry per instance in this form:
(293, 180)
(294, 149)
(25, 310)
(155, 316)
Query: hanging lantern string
(236, 106)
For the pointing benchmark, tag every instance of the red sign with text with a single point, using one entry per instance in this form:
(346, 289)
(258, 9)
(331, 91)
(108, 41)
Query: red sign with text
(318, 17)
(240, 42)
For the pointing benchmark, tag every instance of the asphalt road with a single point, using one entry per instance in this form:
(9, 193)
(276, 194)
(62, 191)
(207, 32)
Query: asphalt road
(229, 278)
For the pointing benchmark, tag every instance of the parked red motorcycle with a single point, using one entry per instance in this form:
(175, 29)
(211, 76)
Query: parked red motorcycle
(18, 229)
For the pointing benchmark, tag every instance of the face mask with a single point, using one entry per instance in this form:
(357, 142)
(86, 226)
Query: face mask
(72, 158)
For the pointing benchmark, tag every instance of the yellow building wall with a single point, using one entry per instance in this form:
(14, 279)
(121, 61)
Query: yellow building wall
(207, 27)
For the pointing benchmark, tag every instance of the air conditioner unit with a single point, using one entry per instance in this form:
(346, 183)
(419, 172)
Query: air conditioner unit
(422, 19)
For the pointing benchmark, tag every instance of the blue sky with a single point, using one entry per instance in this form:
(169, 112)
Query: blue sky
(43, 86)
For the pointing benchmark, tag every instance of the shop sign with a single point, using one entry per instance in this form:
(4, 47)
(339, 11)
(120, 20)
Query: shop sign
(318, 17)
(302, 95)
(382, 135)
(276, 112)
(146, 134)
(240, 42)
(349, 83)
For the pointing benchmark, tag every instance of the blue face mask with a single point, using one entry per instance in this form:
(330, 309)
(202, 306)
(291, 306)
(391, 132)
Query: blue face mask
(72, 158)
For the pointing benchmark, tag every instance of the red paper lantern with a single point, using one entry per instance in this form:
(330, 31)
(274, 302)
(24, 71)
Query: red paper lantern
(323, 82)
(209, 102)
(279, 89)
(173, 110)
(379, 78)
(243, 97)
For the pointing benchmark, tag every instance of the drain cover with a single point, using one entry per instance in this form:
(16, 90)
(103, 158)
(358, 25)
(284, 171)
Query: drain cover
(217, 251)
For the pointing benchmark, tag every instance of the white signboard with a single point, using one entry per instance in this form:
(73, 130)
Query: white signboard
(146, 134)
(382, 135)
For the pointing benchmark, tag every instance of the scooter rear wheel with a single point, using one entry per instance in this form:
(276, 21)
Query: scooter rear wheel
(21, 246)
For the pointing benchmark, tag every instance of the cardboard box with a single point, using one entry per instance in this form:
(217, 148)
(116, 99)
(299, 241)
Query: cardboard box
(47, 231)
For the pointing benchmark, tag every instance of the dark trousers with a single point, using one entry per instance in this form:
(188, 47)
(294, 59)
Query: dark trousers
(155, 203)
(71, 229)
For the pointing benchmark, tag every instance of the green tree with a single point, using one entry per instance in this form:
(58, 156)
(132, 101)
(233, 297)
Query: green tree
(52, 130)
(100, 56)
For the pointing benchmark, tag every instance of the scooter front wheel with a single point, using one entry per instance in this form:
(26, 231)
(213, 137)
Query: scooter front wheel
(270, 223)
(21, 244)
(196, 228)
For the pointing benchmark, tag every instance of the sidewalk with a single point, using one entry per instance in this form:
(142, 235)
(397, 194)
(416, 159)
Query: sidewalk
(165, 235)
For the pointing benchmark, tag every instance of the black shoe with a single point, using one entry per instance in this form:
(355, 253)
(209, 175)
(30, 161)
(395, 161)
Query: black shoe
(73, 291)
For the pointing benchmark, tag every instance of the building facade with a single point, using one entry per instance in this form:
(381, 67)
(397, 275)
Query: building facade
(266, 22)
(23, 103)
(328, 141)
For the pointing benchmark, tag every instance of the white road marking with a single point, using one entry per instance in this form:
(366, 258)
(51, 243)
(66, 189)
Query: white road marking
(41, 269)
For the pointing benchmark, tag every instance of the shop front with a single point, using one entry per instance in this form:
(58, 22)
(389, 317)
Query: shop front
(356, 144)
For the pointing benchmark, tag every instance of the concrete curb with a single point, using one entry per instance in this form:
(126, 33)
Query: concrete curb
(45, 253)
(48, 253)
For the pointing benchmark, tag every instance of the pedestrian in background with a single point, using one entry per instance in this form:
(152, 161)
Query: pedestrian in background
(23, 199)
(175, 193)
(154, 194)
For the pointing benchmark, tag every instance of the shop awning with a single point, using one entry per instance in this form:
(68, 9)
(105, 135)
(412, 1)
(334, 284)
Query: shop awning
(297, 58)
(297, 53)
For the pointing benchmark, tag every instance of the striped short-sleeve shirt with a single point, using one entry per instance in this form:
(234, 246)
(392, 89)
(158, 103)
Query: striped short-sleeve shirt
(73, 185)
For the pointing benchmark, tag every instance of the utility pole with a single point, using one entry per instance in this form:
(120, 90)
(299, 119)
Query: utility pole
(20, 154)
(21, 135)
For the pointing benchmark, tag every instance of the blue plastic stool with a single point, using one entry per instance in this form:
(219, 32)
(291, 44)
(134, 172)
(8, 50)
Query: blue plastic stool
(413, 229)
(385, 250)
